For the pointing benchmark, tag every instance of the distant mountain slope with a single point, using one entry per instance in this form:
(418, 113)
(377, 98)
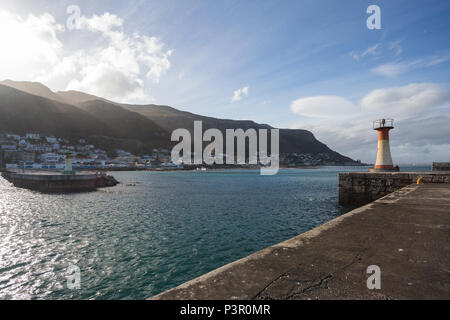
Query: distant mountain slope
(106, 126)
(21, 112)
(77, 97)
(291, 140)
(125, 123)
(171, 118)
(136, 128)
(36, 88)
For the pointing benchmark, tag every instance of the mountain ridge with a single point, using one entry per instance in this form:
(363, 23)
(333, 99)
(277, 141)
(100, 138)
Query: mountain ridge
(137, 128)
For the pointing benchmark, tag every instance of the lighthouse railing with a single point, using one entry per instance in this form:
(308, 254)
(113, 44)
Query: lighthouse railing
(383, 123)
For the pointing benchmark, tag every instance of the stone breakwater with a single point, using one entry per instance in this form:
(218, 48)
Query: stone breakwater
(359, 188)
(45, 181)
(440, 166)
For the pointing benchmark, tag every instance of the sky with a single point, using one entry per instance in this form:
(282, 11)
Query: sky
(306, 64)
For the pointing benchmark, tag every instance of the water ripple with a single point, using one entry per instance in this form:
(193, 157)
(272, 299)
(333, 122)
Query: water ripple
(131, 242)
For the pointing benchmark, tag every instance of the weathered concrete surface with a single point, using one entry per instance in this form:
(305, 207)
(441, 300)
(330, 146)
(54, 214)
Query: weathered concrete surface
(359, 188)
(405, 233)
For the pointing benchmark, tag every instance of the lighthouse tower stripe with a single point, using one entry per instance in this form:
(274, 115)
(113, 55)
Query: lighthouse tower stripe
(384, 159)
(383, 134)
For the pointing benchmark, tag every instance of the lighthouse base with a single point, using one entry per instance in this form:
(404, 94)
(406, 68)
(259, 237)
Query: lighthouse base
(395, 169)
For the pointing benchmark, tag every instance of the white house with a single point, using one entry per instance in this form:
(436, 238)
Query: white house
(51, 139)
(8, 147)
(122, 153)
(52, 158)
(36, 148)
(33, 136)
(13, 136)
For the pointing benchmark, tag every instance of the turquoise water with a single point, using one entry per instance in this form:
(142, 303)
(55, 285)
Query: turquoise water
(155, 230)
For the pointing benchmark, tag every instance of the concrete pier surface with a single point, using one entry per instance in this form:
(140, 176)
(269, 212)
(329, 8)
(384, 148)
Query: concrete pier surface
(406, 234)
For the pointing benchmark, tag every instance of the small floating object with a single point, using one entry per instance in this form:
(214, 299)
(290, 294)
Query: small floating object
(420, 180)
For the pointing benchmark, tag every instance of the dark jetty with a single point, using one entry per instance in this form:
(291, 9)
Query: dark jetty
(47, 181)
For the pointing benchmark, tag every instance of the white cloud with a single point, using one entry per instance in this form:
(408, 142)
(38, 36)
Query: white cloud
(421, 112)
(239, 94)
(29, 45)
(115, 67)
(373, 50)
(104, 23)
(394, 69)
(396, 47)
(376, 50)
(407, 101)
(390, 70)
(323, 106)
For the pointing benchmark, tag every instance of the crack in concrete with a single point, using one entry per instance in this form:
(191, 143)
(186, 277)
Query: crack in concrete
(316, 283)
(310, 288)
(285, 274)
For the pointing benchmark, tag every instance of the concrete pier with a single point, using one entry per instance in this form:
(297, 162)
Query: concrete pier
(47, 181)
(359, 188)
(405, 233)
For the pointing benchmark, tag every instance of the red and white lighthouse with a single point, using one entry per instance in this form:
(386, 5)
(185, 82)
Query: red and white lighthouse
(384, 159)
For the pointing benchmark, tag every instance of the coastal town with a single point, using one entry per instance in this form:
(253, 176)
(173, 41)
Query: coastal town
(37, 151)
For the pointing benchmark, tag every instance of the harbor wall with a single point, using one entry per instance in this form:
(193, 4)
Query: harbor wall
(59, 182)
(52, 183)
(441, 166)
(359, 188)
